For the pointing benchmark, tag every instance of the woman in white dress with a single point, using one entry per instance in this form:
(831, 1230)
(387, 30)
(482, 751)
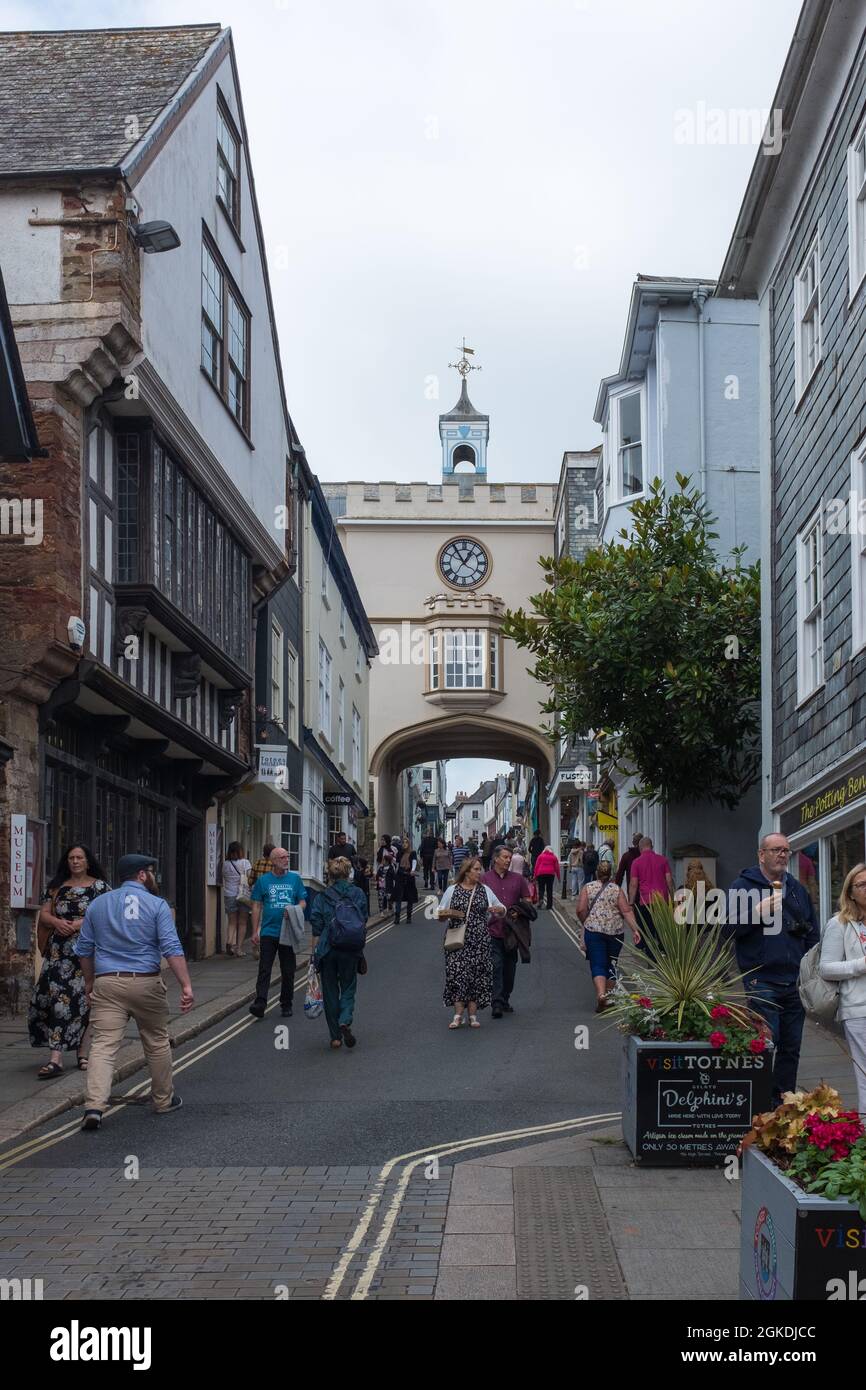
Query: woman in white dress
(469, 970)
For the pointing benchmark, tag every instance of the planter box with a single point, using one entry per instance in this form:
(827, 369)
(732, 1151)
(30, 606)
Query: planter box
(685, 1105)
(796, 1246)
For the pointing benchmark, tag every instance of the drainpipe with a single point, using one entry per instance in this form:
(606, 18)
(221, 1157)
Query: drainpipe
(699, 299)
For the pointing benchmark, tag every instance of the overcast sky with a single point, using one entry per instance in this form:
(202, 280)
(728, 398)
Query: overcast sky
(499, 168)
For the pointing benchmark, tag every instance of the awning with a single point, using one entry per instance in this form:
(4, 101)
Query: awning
(336, 778)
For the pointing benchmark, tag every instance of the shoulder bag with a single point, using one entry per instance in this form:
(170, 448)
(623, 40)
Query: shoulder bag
(455, 934)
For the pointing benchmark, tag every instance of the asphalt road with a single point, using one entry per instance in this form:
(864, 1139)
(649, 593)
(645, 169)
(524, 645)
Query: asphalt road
(410, 1084)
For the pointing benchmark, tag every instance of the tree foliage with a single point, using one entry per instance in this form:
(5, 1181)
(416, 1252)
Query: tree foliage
(652, 640)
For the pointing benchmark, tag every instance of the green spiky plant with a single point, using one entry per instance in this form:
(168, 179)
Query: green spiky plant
(685, 988)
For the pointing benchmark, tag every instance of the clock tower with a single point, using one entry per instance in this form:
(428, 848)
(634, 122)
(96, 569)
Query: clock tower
(464, 433)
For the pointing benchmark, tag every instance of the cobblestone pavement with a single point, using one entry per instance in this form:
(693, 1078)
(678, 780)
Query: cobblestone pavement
(206, 1233)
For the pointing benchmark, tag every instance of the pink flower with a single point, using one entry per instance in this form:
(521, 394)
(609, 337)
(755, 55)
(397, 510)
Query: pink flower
(720, 1012)
(757, 1044)
(644, 1002)
(718, 1039)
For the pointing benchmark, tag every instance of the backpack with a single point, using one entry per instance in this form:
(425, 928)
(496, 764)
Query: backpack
(348, 930)
(819, 997)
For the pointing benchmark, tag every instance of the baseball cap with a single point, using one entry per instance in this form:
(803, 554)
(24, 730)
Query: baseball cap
(129, 865)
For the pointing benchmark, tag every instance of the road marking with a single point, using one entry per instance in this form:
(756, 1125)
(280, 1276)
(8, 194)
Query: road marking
(12, 1157)
(502, 1136)
(566, 927)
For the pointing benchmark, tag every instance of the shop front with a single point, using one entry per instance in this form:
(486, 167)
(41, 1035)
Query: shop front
(827, 831)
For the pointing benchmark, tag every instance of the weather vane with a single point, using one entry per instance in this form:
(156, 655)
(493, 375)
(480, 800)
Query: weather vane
(464, 366)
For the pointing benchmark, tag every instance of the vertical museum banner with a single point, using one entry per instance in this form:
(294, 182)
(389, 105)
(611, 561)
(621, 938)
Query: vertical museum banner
(18, 862)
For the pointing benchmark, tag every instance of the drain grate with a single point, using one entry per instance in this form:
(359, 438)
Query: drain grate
(562, 1240)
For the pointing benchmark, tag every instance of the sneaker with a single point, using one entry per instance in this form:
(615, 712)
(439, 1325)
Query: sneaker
(176, 1103)
(348, 1036)
(497, 1010)
(286, 1012)
(92, 1119)
(257, 1010)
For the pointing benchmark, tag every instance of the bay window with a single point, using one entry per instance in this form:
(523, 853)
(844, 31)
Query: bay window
(464, 659)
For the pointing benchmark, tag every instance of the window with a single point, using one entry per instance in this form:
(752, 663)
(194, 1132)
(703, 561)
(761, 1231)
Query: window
(356, 746)
(464, 659)
(292, 692)
(629, 449)
(857, 527)
(290, 838)
(228, 164)
(341, 724)
(335, 823)
(324, 690)
(343, 622)
(326, 596)
(857, 212)
(810, 611)
(225, 335)
(359, 658)
(807, 310)
(100, 542)
(278, 704)
(494, 660)
(560, 531)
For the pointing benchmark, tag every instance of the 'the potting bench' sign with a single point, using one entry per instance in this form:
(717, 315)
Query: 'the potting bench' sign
(687, 1104)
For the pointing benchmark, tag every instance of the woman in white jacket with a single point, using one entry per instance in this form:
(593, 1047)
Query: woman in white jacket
(843, 958)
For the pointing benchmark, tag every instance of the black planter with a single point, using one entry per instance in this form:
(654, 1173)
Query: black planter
(685, 1105)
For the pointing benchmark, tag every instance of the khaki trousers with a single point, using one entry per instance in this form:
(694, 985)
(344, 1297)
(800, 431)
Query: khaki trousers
(115, 1000)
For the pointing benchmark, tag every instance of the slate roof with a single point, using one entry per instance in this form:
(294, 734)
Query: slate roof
(66, 96)
(464, 408)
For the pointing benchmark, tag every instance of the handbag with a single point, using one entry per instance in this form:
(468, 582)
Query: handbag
(455, 935)
(243, 893)
(313, 1004)
(819, 997)
(43, 931)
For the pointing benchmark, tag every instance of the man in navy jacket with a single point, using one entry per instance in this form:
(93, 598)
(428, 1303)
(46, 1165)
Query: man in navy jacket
(773, 929)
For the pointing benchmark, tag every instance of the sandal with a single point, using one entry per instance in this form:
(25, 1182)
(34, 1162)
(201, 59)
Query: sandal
(336, 1042)
(50, 1070)
(82, 1063)
(456, 1021)
(473, 1022)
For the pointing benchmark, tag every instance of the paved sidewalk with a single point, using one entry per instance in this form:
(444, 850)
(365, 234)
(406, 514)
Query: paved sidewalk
(221, 985)
(576, 1218)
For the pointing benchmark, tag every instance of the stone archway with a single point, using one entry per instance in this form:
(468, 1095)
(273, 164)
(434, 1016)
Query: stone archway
(458, 735)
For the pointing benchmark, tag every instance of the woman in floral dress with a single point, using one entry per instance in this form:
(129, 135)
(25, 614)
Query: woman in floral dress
(58, 1006)
(469, 970)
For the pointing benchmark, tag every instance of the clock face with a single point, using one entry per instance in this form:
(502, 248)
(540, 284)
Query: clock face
(464, 563)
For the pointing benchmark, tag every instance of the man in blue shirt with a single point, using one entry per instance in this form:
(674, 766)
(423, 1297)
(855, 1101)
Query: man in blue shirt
(123, 938)
(271, 895)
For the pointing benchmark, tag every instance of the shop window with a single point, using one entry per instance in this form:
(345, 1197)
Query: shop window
(847, 848)
(808, 870)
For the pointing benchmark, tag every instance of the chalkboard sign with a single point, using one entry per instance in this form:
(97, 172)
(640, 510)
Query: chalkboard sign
(687, 1104)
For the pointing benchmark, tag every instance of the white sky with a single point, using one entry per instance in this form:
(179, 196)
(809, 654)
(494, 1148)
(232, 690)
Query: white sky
(467, 774)
(499, 168)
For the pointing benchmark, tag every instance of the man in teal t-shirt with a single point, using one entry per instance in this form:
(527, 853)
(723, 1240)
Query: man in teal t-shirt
(271, 894)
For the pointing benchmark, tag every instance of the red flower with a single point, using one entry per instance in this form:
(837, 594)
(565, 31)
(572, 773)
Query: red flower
(720, 1012)
(659, 1033)
(836, 1134)
(757, 1044)
(718, 1039)
(644, 1002)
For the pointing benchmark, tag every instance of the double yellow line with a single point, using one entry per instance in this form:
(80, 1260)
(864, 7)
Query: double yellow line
(56, 1136)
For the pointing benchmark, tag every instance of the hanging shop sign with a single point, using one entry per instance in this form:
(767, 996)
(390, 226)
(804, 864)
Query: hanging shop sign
(271, 766)
(338, 798)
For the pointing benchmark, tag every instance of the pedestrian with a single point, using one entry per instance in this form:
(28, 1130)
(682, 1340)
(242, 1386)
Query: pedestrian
(262, 864)
(536, 847)
(122, 939)
(363, 875)
(59, 1010)
(343, 846)
(625, 863)
(469, 969)
(590, 862)
(605, 854)
(843, 958)
(459, 852)
(272, 894)
(405, 887)
(575, 868)
(236, 897)
(697, 887)
(546, 868)
(604, 905)
(338, 968)
(427, 852)
(650, 877)
(509, 888)
(384, 863)
(773, 921)
(484, 851)
(443, 863)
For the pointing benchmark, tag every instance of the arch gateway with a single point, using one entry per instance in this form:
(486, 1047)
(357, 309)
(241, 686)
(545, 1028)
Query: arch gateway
(437, 565)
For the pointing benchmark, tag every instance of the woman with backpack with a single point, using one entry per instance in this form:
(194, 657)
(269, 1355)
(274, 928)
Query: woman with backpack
(843, 959)
(337, 921)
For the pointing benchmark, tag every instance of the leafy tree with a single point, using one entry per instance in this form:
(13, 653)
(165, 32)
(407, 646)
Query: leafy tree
(658, 644)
